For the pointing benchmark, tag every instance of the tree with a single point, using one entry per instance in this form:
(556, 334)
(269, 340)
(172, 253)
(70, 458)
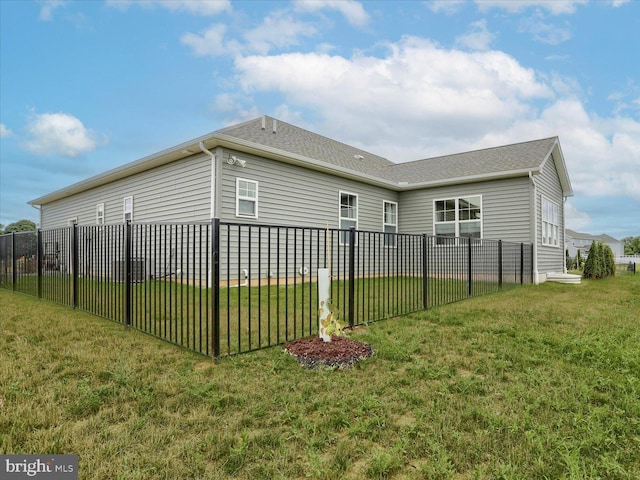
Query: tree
(631, 245)
(23, 225)
(600, 261)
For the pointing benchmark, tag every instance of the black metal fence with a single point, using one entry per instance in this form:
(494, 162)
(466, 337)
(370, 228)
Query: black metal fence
(223, 288)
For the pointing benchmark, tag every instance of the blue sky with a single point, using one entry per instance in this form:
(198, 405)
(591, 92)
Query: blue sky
(86, 86)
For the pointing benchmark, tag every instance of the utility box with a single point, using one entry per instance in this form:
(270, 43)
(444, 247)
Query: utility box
(138, 271)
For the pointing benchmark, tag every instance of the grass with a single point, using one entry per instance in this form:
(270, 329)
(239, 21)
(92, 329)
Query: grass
(536, 382)
(250, 317)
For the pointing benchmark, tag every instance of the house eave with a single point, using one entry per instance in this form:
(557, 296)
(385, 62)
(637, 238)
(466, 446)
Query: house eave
(469, 179)
(211, 141)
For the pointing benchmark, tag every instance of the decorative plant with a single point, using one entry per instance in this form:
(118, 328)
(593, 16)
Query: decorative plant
(329, 322)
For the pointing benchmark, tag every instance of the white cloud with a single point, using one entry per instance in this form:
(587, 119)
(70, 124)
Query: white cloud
(555, 7)
(48, 7)
(278, 30)
(448, 7)
(478, 37)
(350, 9)
(421, 100)
(551, 34)
(211, 42)
(575, 219)
(59, 134)
(419, 92)
(195, 7)
(4, 131)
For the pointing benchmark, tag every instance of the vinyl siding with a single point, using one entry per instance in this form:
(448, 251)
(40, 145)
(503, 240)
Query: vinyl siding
(292, 195)
(550, 259)
(505, 208)
(177, 192)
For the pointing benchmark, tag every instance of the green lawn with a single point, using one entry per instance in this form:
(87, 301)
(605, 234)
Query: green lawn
(250, 318)
(535, 382)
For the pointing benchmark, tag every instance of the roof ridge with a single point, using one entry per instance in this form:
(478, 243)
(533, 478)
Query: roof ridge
(481, 150)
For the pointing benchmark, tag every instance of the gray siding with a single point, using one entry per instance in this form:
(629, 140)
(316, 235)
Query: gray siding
(177, 192)
(291, 195)
(550, 259)
(505, 208)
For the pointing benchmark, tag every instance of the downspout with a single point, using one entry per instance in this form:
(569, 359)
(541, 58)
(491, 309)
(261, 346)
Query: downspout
(39, 214)
(534, 196)
(213, 179)
(213, 196)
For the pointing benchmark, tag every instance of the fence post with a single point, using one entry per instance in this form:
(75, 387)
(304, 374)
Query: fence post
(425, 266)
(127, 272)
(215, 286)
(352, 274)
(74, 265)
(470, 289)
(14, 263)
(500, 264)
(531, 264)
(39, 260)
(521, 263)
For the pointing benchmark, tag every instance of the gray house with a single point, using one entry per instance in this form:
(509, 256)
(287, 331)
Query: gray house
(270, 172)
(575, 241)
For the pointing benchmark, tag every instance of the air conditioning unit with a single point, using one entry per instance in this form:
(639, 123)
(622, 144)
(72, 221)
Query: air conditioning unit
(138, 271)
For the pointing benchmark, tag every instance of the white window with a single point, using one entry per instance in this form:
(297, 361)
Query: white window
(127, 210)
(458, 217)
(100, 214)
(348, 215)
(246, 198)
(390, 223)
(550, 223)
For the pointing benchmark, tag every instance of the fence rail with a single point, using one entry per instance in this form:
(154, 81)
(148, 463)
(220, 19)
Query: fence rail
(223, 288)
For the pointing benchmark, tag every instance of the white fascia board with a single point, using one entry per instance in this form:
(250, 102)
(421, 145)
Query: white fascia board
(471, 179)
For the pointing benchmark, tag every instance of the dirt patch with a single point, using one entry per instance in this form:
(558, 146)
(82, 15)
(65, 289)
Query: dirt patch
(340, 352)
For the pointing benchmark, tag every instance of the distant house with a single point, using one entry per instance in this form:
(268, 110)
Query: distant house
(575, 241)
(271, 172)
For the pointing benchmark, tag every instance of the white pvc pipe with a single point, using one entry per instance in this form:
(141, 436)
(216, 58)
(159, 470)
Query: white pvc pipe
(324, 295)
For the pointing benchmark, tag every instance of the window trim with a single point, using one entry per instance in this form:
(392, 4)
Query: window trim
(546, 223)
(386, 224)
(457, 222)
(341, 240)
(252, 199)
(100, 214)
(124, 209)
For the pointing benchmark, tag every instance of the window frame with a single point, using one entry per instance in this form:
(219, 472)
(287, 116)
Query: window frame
(126, 211)
(245, 198)
(389, 241)
(457, 221)
(343, 237)
(550, 231)
(100, 214)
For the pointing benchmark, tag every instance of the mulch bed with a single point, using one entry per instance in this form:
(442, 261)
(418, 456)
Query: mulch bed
(340, 352)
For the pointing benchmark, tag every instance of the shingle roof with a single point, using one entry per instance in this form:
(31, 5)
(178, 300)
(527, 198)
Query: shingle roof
(587, 236)
(520, 157)
(268, 136)
(508, 158)
(292, 139)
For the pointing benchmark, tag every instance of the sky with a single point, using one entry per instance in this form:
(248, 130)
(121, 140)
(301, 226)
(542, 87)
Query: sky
(86, 86)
